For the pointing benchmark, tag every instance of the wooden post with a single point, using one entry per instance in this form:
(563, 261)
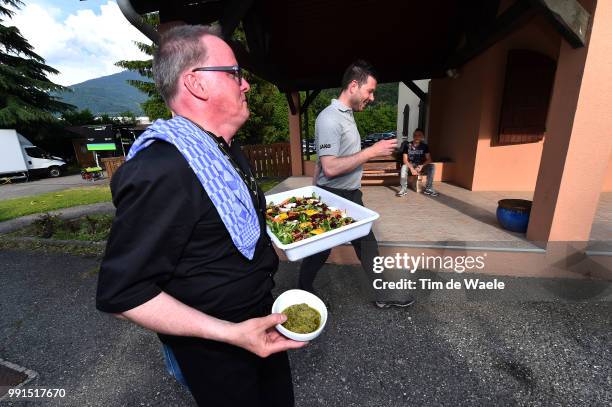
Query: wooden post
(295, 137)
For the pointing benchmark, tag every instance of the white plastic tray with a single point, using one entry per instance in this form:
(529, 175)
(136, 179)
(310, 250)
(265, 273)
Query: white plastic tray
(364, 218)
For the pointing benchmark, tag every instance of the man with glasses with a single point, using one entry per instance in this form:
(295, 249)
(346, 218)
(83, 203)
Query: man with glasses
(188, 256)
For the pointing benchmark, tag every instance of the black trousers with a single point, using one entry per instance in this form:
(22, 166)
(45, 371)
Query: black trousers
(222, 375)
(366, 249)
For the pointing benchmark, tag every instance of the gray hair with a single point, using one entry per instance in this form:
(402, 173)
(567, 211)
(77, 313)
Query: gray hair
(179, 48)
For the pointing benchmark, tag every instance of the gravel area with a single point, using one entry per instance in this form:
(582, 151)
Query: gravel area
(455, 349)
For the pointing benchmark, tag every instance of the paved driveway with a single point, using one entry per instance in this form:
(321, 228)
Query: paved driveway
(442, 351)
(40, 186)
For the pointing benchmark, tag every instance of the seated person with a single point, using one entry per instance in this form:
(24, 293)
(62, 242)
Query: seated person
(417, 160)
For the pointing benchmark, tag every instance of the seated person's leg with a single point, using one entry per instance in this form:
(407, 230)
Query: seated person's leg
(403, 180)
(430, 170)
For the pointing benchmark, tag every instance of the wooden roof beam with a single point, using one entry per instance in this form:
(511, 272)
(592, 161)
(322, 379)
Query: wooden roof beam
(233, 13)
(417, 91)
(309, 99)
(568, 17)
(515, 16)
(292, 107)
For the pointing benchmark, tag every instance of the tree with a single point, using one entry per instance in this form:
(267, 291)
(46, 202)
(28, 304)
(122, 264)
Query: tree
(154, 107)
(376, 119)
(78, 117)
(85, 117)
(25, 98)
(268, 122)
(126, 118)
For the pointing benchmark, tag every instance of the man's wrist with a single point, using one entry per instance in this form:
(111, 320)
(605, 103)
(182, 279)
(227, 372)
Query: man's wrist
(370, 153)
(218, 330)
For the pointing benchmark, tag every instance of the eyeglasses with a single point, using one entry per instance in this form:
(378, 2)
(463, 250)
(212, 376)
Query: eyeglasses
(234, 70)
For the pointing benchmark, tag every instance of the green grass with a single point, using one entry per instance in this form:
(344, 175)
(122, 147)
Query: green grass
(313, 157)
(29, 205)
(17, 207)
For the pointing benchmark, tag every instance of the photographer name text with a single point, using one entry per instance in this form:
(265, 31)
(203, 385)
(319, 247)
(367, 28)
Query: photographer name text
(428, 284)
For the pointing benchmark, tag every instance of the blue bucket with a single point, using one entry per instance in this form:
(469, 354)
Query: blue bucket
(513, 214)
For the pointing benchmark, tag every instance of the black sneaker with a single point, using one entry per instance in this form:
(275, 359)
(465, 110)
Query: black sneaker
(430, 192)
(394, 303)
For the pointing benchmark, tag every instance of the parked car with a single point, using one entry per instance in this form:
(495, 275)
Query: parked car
(308, 147)
(19, 158)
(376, 137)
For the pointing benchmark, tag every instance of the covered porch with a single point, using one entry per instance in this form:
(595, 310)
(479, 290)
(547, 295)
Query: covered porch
(519, 100)
(463, 222)
(524, 116)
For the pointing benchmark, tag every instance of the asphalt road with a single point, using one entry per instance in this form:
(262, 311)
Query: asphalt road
(455, 349)
(39, 186)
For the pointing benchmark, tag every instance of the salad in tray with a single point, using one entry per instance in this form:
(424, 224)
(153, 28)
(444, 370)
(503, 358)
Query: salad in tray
(297, 218)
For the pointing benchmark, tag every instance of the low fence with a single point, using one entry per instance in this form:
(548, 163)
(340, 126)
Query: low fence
(111, 164)
(269, 160)
(266, 160)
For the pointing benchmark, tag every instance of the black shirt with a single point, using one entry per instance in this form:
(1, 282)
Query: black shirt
(168, 236)
(416, 154)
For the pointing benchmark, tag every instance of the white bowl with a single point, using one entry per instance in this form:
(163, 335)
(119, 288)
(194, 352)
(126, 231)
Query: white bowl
(293, 297)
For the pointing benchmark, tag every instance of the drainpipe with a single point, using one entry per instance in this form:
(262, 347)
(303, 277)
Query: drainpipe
(134, 18)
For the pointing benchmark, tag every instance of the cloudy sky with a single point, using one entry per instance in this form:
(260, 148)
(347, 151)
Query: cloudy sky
(81, 39)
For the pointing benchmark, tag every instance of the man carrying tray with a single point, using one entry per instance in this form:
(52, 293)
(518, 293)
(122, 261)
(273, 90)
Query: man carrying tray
(188, 256)
(339, 166)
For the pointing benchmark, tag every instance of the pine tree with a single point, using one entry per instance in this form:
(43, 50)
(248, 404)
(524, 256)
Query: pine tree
(25, 97)
(154, 107)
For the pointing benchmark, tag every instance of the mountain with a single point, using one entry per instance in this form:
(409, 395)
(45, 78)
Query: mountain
(108, 94)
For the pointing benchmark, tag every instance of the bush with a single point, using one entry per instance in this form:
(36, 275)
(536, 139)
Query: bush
(88, 228)
(46, 225)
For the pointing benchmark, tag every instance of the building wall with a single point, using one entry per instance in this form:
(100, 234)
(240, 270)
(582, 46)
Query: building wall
(454, 120)
(406, 97)
(513, 167)
(464, 118)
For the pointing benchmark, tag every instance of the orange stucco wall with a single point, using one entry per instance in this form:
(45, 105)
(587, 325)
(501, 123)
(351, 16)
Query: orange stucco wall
(575, 161)
(514, 167)
(454, 120)
(464, 118)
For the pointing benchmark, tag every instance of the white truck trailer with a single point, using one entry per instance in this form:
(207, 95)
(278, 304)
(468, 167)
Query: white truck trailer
(19, 158)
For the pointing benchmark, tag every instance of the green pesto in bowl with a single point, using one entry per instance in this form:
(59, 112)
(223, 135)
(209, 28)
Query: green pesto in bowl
(302, 319)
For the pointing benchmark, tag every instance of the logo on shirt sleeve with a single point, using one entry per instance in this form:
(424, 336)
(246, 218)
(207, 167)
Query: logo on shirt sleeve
(322, 146)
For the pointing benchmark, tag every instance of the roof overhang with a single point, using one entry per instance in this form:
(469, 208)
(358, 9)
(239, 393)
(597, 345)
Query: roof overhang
(307, 44)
